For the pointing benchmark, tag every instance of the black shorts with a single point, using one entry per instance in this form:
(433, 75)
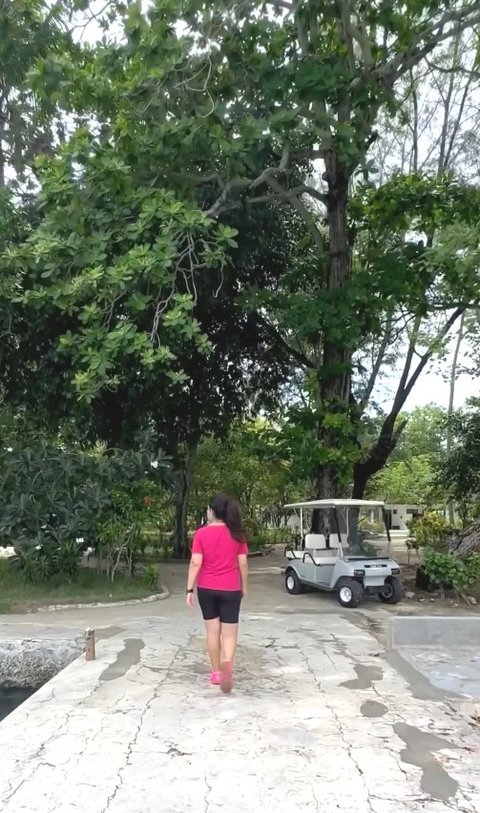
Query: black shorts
(222, 604)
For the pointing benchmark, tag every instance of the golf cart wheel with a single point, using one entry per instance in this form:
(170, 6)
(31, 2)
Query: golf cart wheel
(393, 592)
(293, 585)
(349, 592)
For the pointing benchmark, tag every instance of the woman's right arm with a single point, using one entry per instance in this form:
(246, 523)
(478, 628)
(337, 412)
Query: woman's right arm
(243, 566)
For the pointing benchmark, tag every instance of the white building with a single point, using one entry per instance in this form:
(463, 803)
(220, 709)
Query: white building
(399, 517)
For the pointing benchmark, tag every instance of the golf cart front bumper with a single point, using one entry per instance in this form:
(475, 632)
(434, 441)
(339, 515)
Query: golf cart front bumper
(374, 573)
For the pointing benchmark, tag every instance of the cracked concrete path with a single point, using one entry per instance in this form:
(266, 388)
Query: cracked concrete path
(318, 721)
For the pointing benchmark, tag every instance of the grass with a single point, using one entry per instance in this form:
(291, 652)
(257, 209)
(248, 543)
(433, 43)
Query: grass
(89, 587)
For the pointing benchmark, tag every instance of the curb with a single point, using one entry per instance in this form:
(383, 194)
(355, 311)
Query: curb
(53, 608)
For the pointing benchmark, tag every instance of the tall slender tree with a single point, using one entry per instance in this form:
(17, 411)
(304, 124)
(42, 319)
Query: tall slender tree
(312, 79)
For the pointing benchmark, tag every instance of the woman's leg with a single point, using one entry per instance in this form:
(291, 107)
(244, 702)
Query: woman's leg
(209, 605)
(229, 634)
(229, 613)
(212, 627)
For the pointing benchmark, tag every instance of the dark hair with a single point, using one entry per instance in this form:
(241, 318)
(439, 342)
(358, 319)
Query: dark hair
(227, 510)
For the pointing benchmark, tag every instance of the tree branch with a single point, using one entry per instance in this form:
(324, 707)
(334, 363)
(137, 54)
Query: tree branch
(347, 32)
(458, 119)
(427, 41)
(273, 171)
(294, 353)
(304, 211)
(267, 178)
(459, 70)
(376, 369)
(217, 208)
(408, 386)
(355, 32)
(408, 362)
(390, 431)
(287, 194)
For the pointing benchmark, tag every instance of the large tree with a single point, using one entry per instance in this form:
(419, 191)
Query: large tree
(312, 79)
(194, 114)
(133, 298)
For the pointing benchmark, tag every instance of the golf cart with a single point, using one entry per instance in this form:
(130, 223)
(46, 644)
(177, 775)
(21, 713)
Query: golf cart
(339, 560)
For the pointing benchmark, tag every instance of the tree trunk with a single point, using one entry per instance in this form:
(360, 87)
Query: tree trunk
(2, 156)
(451, 403)
(184, 485)
(334, 376)
(377, 458)
(467, 542)
(3, 127)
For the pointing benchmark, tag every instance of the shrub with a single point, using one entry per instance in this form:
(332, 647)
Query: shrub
(67, 558)
(256, 543)
(142, 545)
(257, 536)
(443, 569)
(278, 536)
(4, 569)
(52, 497)
(150, 576)
(167, 551)
(431, 530)
(39, 563)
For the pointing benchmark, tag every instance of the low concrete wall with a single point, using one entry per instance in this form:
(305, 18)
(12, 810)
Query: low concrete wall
(32, 662)
(459, 632)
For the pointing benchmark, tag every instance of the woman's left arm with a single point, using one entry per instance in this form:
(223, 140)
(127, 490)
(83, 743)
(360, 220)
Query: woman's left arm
(193, 571)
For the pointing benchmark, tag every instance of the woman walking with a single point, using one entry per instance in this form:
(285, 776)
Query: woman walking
(219, 569)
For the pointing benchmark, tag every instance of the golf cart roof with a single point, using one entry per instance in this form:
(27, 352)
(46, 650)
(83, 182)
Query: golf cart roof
(337, 504)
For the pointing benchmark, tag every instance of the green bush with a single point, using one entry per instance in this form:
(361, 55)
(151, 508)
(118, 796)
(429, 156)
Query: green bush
(67, 558)
(142, 545)
(444, 569)
(54, 503)
(431, 530)
(4, 570)
(258, 537)
(150, 576)
(166, 551)
(44, 561)
(278, 536)
(255, 544)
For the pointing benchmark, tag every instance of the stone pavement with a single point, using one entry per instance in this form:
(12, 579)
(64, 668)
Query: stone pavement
(318, 721)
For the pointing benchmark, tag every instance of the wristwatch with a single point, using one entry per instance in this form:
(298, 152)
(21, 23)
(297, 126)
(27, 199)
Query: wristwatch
(189, 591)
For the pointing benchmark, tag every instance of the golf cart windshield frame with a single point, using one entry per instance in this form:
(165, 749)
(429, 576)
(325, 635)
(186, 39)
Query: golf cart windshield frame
(334, 505)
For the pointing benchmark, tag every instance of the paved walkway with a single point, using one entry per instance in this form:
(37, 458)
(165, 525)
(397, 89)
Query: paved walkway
(318, 721)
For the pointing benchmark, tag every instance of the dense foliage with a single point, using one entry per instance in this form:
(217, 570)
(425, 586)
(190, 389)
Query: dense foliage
(57, 503)
(200, 246)
(459, 470)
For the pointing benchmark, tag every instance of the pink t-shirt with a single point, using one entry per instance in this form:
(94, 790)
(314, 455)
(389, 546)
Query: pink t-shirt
(220, 552)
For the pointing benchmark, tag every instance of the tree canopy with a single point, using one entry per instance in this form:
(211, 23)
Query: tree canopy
(201, 225)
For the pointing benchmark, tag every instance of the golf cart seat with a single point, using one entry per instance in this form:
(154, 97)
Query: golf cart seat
(317, 546)
(314, 543)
